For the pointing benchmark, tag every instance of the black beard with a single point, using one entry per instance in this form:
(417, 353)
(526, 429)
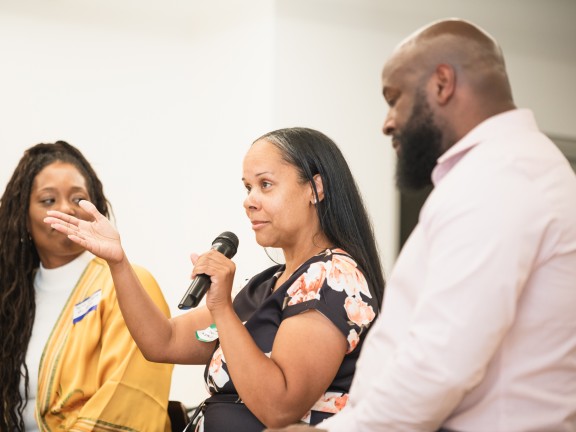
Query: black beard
(420, 145)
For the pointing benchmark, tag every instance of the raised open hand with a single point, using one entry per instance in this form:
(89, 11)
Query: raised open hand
(98, 236)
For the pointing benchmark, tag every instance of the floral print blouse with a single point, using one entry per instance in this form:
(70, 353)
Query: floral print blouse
(330, 283)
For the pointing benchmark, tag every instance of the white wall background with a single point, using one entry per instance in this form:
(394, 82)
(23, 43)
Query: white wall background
(165, 96)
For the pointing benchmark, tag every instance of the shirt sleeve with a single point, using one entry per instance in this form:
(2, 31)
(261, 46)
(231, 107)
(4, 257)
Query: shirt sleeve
(480, 249)
(336, 288)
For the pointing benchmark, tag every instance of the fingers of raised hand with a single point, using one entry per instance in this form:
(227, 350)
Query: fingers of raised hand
(59, 217)
(90, 208)
(61, 226)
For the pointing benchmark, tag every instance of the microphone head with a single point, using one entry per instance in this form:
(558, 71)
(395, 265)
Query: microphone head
(226, 243)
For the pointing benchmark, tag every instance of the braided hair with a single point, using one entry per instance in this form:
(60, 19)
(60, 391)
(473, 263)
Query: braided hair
(18, 262)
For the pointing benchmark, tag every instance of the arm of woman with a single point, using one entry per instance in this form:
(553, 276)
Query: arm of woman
(280, 390)
(159, 338)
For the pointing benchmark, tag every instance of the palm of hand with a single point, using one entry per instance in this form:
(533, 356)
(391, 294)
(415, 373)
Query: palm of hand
(101, 238)
(97, 236)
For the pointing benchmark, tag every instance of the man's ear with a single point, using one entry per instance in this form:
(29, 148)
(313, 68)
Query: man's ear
(444, 81)
(319, 189)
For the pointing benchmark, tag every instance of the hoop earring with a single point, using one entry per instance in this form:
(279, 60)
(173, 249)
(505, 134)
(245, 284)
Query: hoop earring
(275, 261)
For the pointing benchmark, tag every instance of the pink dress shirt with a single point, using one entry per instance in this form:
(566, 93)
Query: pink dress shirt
(478, 331)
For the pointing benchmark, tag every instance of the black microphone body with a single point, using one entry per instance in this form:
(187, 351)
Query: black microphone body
(227, 244)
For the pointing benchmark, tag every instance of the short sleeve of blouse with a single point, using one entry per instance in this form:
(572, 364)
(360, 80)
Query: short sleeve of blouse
(333, 285)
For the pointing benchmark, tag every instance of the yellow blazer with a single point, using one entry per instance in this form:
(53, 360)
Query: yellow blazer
(92, 376)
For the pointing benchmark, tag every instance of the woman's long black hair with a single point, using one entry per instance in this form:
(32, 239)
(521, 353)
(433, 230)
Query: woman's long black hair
(18, 262)
(343, 216)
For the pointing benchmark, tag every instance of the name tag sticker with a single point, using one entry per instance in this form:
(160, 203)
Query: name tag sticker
(85, 306)
(209, 334)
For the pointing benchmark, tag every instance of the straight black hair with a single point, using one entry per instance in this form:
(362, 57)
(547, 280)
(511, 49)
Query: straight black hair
(342, 213)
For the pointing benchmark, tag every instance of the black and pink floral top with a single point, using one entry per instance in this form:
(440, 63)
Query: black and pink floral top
(330, 283)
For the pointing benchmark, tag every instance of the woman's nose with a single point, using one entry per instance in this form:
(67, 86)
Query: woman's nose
(67, 207)
(250, 202)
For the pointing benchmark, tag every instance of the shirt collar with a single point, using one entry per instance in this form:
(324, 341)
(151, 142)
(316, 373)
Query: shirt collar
(495, 125)
(60, 278)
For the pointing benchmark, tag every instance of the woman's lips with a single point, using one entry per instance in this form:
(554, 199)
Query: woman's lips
(256, 224)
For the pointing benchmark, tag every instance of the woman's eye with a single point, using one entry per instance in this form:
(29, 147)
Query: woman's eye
(77, 200)
(266, 184)
(47, 201)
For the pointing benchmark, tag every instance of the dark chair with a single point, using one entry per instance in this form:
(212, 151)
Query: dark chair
(178, 415)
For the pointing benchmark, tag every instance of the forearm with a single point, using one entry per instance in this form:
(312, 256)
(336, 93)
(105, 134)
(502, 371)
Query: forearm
(280, 387)
(146, 314)
(259, 381)
(148, 325)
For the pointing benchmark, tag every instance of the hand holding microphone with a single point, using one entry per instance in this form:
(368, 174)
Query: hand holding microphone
(227, 244)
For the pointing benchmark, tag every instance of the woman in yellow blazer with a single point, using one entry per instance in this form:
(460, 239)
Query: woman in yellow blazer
(68, 362)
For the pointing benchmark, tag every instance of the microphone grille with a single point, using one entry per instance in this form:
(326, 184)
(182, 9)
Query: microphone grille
(231, 240)
(228, 236)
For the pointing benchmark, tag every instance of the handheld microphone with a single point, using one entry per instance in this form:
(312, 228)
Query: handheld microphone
(227, 244)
